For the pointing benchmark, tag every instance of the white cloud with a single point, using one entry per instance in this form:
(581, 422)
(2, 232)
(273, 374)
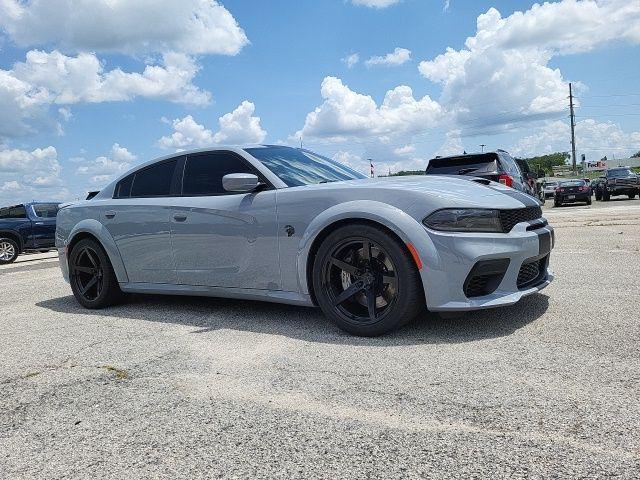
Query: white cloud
(375, 3)
(240, 126)
(507, 60)
(27, 175)
(105, 168)
(83, 78)
(345, 113)
(351, 60)
(187, 134)
(406, 150)
(593, 138)
(398, 57)
(140, 26)
(237, 127)
(30, 88)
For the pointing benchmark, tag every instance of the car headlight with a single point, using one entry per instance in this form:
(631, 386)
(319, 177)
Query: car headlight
(465, 220)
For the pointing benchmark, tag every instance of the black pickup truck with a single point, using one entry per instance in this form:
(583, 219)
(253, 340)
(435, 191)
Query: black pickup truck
(617, 181)
(28, 227)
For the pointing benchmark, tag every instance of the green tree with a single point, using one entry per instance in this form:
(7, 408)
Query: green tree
(546, 162)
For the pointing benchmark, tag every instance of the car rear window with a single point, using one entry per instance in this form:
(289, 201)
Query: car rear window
(464, 165)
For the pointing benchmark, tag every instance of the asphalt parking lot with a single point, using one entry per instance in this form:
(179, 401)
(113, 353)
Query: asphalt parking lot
(161, 387)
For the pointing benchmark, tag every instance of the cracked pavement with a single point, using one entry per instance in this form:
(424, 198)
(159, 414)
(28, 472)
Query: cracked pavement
(168, 387)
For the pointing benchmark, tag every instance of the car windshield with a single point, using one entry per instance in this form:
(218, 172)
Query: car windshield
(46, 210)
(620, 172)
(295, 166)
(572, 183)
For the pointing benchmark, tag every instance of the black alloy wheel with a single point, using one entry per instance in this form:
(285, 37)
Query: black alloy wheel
(360, 279)
(366, 282)
(92, 278)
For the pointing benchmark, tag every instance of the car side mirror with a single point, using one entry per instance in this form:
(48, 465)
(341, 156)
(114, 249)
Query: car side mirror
(240, 182)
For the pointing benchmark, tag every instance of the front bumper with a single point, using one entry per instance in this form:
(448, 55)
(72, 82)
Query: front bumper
(64, 264)
(458, 253)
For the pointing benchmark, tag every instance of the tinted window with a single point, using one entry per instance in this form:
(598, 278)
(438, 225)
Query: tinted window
(572, 183)
(464, 165)
(154, 181)
(295, 166)
(13, 212)
(203, 173)
(620, 172)
(123, 188)
(49, 210)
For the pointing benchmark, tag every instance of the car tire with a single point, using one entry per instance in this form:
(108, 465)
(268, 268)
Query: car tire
(9, 250)
(366, 294)
(93, 281)
(598, 197)
(605, 196)
(631, 197)
(556, 203)
(589, 201)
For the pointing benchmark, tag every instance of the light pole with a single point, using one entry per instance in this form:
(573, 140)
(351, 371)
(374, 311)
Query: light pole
(482, 145)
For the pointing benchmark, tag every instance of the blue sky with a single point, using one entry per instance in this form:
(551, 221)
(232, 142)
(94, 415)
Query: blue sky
(80, 108)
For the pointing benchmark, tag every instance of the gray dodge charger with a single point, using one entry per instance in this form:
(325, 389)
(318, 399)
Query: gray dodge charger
(288, 225)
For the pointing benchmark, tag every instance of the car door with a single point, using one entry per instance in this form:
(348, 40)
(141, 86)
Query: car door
(43, 217)
(220, 238)
(138, 220)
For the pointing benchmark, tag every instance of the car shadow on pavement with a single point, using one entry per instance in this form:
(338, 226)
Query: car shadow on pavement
(309, 324)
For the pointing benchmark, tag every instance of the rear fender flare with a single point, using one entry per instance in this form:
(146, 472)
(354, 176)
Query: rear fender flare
(95, 228)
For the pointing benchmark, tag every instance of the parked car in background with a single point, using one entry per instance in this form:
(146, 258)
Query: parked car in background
(28, 227)
(617, 181)
(498, 166)
(572, 191)
(288, 225)
(549, 189)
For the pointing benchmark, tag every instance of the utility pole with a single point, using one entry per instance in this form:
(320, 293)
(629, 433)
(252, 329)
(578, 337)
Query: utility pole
(573, 130)
(482, 145)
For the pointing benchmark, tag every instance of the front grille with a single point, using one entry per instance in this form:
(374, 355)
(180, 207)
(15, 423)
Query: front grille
(477, 286)
(532, 273)
(509, 218)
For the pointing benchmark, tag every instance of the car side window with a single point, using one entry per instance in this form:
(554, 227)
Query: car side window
(123, 187)
(154, 181)
(14, 212)
(203, 172)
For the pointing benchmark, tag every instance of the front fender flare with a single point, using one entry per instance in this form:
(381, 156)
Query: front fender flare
(99, 231)
(402, 224)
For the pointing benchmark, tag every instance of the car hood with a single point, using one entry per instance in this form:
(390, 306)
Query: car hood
(441, 190)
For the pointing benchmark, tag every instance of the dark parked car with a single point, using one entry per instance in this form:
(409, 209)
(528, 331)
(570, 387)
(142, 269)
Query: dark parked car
(617, 181)
(29, 227)
(572, 191)
(498, 166)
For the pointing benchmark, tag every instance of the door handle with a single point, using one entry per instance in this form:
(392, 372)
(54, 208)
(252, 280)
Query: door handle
(110, 214)
(179, 217)
(39, 223)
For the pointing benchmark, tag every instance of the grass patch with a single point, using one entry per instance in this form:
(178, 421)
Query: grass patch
(119, 373)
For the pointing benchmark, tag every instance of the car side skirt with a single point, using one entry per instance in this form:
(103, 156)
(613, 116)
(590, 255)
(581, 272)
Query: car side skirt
(276, 296)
